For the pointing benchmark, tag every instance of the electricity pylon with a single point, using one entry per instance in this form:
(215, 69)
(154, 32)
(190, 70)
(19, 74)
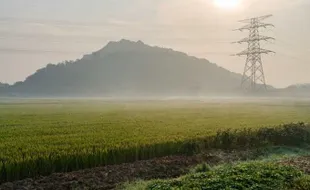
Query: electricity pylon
(253, 76)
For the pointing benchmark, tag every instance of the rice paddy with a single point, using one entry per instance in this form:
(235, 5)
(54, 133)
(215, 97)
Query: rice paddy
(57, 133)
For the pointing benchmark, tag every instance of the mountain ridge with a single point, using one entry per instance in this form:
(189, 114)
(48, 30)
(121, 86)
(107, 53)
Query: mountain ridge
(128, 68)
(3, 85)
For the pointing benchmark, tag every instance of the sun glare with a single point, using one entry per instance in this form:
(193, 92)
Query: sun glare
(227, 4)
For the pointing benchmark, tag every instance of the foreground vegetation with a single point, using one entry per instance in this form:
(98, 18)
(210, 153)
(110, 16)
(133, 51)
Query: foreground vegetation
(42, 137)
(258, 175)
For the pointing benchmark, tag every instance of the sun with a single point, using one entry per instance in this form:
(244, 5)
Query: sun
(227, 4)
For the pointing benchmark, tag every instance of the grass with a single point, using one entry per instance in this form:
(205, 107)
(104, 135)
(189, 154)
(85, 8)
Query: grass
(258, 175)
(63, 135)
(268, 157)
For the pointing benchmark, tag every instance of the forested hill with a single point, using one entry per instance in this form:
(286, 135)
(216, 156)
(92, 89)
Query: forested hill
(127, 68)
(305, 86)
(3, 85)
(299, 89)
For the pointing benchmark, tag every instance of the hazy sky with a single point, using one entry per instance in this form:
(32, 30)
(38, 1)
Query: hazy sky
(34, 33)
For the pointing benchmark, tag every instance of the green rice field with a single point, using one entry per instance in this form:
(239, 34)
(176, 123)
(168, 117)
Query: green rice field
(52, 132)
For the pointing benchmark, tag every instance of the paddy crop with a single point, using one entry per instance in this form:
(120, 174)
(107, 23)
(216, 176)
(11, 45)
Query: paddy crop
(63, 135)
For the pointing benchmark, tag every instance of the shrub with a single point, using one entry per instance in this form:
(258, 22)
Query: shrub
(204, 167)
(302, 183)
(248, 175)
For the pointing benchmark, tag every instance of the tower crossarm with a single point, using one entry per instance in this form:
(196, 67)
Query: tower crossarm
(254, 52)
(256, 38)
(257, 18)
(257, 25)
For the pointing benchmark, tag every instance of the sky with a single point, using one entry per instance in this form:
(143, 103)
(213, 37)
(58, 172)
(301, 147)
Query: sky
(34, 33)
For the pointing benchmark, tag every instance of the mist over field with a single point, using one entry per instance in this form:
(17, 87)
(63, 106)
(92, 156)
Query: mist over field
(155, 94)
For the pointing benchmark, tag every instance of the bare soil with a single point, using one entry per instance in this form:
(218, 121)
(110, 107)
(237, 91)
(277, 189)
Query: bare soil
(108, 177)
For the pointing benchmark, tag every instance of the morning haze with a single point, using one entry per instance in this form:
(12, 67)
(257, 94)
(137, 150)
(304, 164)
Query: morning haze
(144, 94)
(32, 35)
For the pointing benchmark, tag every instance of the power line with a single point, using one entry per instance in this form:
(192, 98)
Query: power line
(292, 57)
(35, 51)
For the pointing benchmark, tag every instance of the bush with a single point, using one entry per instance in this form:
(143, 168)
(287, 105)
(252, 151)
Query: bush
(204, 167)
(302, 183)
(248, 175)
(285, 135)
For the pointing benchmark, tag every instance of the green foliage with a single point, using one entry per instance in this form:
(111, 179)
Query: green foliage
(302, 183)
(204, 167)
(137, 185)
(39, 137)
(248, 175)
(285, 135)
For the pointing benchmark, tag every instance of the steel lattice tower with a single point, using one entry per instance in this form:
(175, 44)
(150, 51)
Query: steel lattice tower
(253, 78)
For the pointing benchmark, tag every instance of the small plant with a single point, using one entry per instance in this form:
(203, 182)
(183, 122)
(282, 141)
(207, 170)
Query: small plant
(204, 167)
